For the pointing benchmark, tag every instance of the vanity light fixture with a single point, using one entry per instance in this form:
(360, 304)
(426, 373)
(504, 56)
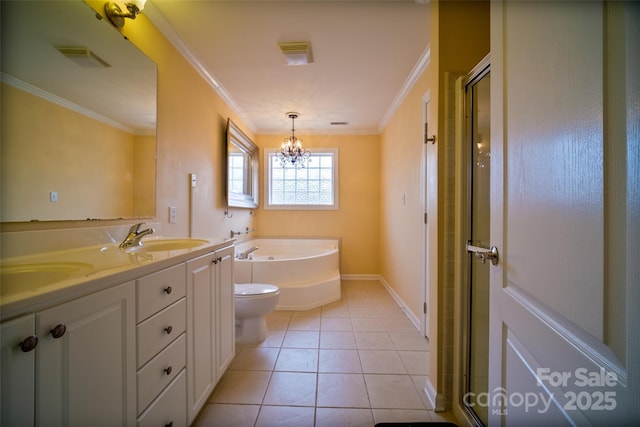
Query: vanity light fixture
(292, 151)
(116, 15)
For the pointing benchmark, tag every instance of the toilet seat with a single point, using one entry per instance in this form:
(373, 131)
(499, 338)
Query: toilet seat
(255, 289)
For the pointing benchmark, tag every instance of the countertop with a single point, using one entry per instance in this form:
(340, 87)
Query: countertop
(96, 268)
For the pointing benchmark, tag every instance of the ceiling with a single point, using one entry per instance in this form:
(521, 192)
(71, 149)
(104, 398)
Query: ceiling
(365, 56)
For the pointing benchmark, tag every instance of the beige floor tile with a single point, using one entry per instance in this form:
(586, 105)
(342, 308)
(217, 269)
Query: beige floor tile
(373, 341)
(367, 325)
(307, 323)
(255, 359)
(405, 341)
(336, 324)
(246, 387)
(285, 416)
(391, 312)
(337, 340)
(419, 382)
(392, 392)
(341, 310)
(314, 312)
(401, 415)
(363, 312)
(342, 390)
(416, 362)
(274, 339)
(277, 323)
(225, 415)
(291, 389)
(381, 362)
(346, 361)
(354, 362)
(301, 339)
(344, 417)
(297, 360)
(399, 325)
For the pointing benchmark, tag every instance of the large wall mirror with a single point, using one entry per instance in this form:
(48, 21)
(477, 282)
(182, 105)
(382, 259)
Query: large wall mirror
(242, 169)
(78, 116)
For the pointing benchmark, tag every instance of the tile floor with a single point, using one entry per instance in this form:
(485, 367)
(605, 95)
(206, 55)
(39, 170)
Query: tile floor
(355, 362)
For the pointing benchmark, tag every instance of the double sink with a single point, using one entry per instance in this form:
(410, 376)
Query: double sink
(33, 273)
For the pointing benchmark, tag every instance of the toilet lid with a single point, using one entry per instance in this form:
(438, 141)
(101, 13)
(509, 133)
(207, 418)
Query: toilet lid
(255, 289)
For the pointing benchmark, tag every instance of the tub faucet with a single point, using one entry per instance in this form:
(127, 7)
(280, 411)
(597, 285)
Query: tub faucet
(135, 235)
(245, 254)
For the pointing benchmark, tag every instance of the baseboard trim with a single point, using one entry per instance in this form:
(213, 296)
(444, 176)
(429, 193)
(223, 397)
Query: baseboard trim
(436, 400)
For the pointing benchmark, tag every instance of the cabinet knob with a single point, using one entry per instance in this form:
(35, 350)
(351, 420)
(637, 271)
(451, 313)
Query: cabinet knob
(58, 331)
(168, 370)
(29, 343)
(168, 290)
(168, 329)
(219, 259)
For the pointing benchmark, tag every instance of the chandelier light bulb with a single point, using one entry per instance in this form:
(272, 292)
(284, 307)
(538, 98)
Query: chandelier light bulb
(291, 151)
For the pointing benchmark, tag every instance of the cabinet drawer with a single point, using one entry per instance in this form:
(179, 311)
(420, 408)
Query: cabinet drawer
(160, 371)
(159, 330)
(158, 290)
(169, 408)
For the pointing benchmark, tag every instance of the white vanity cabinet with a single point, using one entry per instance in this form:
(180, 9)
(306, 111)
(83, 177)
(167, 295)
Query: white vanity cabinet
(85, 360)
(17, 371)
(210, 325)
(161, 345)
(144, 346)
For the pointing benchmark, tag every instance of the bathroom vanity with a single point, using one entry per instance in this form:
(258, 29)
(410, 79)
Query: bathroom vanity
(141, 337)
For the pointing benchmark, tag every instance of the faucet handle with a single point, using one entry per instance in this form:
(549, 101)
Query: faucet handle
(136, 227)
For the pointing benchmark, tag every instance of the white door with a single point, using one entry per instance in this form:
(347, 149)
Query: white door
(564, 213)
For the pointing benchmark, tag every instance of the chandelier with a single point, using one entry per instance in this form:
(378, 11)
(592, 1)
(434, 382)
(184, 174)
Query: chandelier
(292, 151)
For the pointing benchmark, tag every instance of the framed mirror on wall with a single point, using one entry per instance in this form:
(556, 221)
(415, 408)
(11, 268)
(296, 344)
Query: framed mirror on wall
(78, 117)
(242, 169)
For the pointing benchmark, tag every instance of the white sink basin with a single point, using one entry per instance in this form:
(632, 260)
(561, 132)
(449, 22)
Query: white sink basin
(18, 278)
(162, 245)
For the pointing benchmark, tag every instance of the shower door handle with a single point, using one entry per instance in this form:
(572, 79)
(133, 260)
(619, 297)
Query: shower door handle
(484, 254)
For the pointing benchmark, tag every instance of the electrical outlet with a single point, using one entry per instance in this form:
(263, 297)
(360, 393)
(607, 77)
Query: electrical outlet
(172, 214)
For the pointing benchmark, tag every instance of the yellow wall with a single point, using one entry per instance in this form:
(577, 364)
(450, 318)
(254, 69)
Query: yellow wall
(79, 161)
(357, 221)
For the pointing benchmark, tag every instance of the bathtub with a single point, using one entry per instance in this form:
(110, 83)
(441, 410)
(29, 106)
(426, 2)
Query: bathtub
(306, 270)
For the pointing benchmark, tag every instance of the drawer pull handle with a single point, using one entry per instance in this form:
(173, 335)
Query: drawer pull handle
(169, 424)
(29, 343)
(168, 329)
(167, 370)
(168, 290)
(58, 331)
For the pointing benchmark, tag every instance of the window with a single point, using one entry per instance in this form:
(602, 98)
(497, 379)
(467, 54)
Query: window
(314, 187)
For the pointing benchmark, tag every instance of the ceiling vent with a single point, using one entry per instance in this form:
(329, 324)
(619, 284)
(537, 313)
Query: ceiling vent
(296, 53)
(83, 56)
(339, 123)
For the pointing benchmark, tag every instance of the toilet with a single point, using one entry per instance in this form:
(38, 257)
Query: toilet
(253, 301)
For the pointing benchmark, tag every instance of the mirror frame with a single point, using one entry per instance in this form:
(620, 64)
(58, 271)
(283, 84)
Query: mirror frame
(249, 198)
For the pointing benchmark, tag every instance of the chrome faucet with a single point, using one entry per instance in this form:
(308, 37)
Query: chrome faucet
(245, 254)
(135, 236)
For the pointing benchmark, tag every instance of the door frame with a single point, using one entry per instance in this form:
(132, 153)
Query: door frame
(425, 277)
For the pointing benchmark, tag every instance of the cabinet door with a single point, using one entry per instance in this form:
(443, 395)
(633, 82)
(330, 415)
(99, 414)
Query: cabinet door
(86, 376)
(17, 371)
(201, 298)
(225, 310)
